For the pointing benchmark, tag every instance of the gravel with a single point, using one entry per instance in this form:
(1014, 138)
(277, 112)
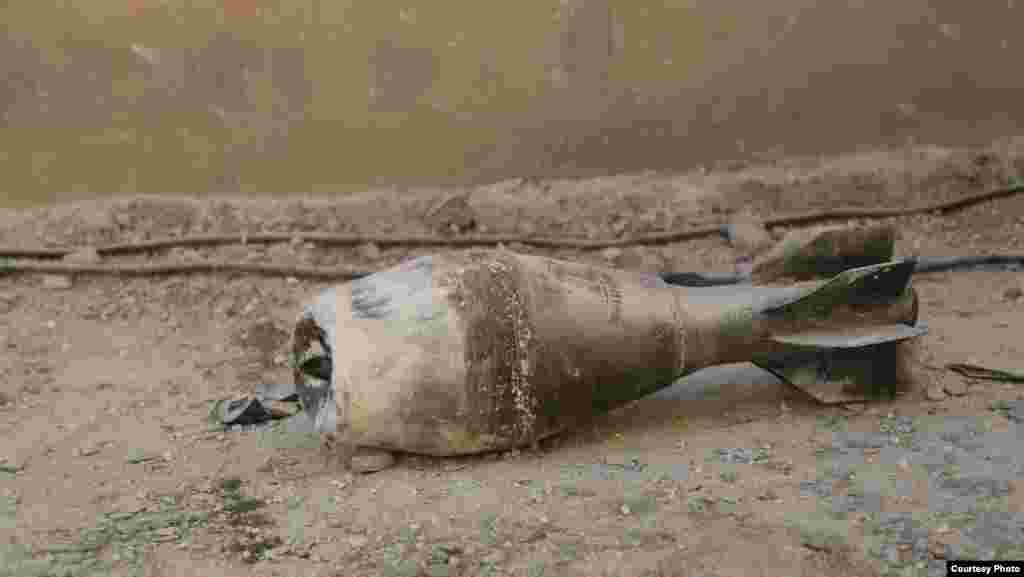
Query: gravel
(969, 470)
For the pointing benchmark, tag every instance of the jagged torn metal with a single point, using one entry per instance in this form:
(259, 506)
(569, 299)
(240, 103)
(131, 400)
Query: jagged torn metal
(317, 394)
(391, 296)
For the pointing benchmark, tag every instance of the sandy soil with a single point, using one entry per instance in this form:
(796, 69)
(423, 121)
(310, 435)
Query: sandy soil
(107, 383)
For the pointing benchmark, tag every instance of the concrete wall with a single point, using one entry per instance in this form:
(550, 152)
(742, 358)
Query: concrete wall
(137, 96)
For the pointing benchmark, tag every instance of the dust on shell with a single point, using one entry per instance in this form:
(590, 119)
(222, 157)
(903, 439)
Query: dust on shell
(522, 384)
(486, 289)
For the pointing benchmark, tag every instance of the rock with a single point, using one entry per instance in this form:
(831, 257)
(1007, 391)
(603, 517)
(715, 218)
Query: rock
(937, 549)
(357, 541)
(86, 451)
(611, 254)
(497, 557)
(955, 387)
(370, 460)
(452, 215)
(369, 251)
(122, 219)
(56, 282)
(619, 226)
(83, 255)
(149, 55)
(935, 392)
(1013, 293)
(8, 302)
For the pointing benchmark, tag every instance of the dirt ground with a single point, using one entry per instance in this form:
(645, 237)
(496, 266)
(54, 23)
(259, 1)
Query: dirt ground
(107, 384)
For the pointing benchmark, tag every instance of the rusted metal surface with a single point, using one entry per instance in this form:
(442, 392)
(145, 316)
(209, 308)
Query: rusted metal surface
(481, 350)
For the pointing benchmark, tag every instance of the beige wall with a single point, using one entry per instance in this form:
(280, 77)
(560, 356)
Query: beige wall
(136, 96)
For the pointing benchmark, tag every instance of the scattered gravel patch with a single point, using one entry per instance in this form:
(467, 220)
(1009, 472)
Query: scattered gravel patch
(741, 456)
(969, 470)
(854, 440)
(820, 488)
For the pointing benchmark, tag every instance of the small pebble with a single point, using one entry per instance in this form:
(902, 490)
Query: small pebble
(56, 282)
(935, 392)
(1013, 293)
(855, 408)
(86, 451)
(367, 461)
(496, 557)
(369, 251)
(955, 387)
(611, 254)
(7, 302)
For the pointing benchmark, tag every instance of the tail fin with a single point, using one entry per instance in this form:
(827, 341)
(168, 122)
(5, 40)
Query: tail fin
(877, 284)
(837, 362)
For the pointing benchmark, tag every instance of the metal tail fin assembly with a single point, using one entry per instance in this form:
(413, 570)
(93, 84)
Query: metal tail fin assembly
(851, 361)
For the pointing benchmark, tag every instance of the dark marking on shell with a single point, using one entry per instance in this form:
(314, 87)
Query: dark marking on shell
(612, 294)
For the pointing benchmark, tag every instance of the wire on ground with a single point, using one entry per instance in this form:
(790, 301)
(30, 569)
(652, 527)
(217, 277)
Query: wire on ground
(8, 264)
(493, 240)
